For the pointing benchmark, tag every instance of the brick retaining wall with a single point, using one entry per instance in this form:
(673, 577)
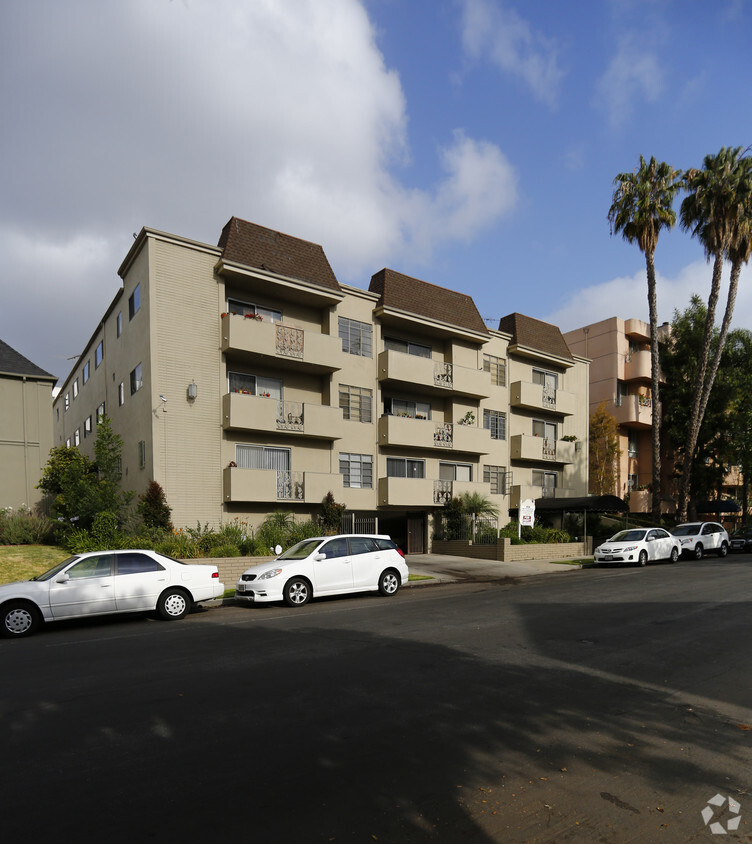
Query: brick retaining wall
(504, 551)
(230, 568)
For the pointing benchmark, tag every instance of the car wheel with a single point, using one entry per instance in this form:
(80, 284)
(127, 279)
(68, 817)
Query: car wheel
(674, 554)
(18, 619)
(173, 604)
(643, 559)
(389, 582)
(297, 592)
(723, 550)
(698, 551)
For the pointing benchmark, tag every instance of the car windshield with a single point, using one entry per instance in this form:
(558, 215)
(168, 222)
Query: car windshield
(48, 575)
(628, 536)
(686, 530)
(742, 533)
(301, 550)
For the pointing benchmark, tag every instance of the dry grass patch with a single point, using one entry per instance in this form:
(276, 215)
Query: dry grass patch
(22, 562)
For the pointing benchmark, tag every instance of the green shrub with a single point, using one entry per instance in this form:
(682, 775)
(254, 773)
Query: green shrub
(225, 551)
(22, 527)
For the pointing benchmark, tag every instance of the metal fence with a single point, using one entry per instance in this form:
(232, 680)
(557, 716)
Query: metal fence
(463, 526)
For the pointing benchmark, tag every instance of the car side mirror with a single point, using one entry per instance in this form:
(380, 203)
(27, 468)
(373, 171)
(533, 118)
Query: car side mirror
(64, 578)
(320, 556)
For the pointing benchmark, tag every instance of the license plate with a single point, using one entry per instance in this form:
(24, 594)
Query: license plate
(608, 557)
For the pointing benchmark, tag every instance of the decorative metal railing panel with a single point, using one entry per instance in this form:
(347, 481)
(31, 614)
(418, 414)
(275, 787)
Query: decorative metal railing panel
(443, 375)
(645, 401)
(289, 341)
(442, 492)
(290, 415)
(290, 486)
(443, 435)
(549, 396)
(549, 449)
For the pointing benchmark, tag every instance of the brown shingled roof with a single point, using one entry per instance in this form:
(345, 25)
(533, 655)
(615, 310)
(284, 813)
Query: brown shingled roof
(534, 334)
(427, 300)
(15, 363)
(246, 243)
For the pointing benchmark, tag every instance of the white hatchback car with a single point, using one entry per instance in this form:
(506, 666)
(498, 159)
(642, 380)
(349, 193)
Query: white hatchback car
(326, 565)
(699, 537)
(638, 545)
(103, 582)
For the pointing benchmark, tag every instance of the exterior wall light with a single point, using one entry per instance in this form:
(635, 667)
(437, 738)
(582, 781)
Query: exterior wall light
(192, 391)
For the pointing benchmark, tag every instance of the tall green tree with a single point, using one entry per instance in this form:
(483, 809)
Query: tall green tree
(642, 205)
(604, 451)
(718, 212)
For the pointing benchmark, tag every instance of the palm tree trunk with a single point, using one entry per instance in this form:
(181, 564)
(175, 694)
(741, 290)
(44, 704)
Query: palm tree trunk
(695, 418)
(654, 373)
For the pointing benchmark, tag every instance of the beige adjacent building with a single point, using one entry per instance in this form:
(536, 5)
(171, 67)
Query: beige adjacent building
(620, 377)
(245, 378)
(25, 428)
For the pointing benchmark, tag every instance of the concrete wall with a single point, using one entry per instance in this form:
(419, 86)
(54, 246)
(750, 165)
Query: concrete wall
(504, 551)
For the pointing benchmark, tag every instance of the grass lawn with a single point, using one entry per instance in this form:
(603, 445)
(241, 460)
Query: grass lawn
(22, 562)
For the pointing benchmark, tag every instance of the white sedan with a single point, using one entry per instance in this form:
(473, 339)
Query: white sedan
(638, 546)
(326, 565)
(104, 582)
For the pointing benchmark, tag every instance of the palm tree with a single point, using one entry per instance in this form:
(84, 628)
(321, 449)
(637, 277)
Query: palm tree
(476, 505)
(718, 212)
(642, 205)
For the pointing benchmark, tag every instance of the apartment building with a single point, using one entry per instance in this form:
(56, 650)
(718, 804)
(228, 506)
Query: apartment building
(620, 377)
(25, 427)
(245, 378)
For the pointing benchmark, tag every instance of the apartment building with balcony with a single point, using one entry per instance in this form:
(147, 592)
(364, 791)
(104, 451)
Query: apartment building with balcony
(620, 377)
(25, 427)
(245, 378)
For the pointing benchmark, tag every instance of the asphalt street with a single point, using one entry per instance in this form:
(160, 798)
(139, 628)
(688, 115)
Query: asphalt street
(594, 705)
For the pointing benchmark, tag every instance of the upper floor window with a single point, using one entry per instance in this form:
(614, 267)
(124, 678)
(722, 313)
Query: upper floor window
(455, 472)
(66, 402)
(119, 323)
(544, 429)
(356, 470)
(412, 409)
(255, 385)
(622, 390)
(357, 337)
(137, 379)
(496, 476)
(86, 371)
(498, 369)
(134, 302)
(121, 394)
(405, 346)
(235, 306)
(496, 422)
(547, 379)
(75, 388)
(100, 413)
(548, 480)
(262, 457)
(77, 437)
(98, 354)
(356, 403)
(87, 426)
(404, 467)
(632, 446)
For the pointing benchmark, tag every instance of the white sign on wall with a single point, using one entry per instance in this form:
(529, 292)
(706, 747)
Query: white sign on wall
(527, 513)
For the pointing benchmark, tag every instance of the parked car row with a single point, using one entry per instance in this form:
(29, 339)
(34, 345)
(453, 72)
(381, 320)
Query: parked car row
(692, 539)
(106, 582)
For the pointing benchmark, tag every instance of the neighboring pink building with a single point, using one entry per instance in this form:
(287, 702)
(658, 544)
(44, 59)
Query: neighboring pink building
(619, 351)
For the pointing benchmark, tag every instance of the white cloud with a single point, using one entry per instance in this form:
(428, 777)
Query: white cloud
(496, 32)
(626, 297)
(634, 73)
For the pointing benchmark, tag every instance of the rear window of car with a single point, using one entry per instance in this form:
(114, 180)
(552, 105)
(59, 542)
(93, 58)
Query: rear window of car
(362, 545)
(385, 545)
(136, 564)
(686, 530)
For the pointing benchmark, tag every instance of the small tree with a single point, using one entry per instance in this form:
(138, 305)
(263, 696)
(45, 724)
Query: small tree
(331, 514)
(604, 451)
(69, 478)
(153, 508)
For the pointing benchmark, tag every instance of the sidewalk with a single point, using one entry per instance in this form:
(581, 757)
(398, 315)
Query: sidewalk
(447, 569)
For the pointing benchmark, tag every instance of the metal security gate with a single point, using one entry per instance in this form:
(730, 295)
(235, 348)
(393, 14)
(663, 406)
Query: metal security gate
(359, 523)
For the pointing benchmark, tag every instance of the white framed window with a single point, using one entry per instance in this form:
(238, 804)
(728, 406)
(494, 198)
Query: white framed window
(496, 476)
(121, 394)
(262, 457)
(137, 379)
(236, 306)
(498, 369)
(254, 385)
(356, 470)
(495, 421)
(356, 403)
(455, 472)
(77, 437)
(87, 369)
(87, 426)
(405, 467)
(100, 413)
(75, 388)
(547, 379)
(407, 347)
(403, 407)
(541, 428)
(357, 337)
(66, 402)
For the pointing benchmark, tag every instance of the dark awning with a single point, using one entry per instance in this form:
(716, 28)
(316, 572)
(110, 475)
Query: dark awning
(586, 503)
(726, 506)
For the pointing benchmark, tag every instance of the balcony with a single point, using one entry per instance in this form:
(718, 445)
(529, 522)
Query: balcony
(263, 486)
(523, 492)
(637, 329)
(525, 394)
(634, 411)
(406, 432)
(406, 492)
(445, 491)
(292, 348)
(637, 367)
(433, 377)
(540, 449)
(255, 413)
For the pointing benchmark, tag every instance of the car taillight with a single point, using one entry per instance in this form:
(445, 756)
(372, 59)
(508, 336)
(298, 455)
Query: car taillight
(400, 552)
(215, 574)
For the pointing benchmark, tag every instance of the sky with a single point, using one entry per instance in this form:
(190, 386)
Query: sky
(469, 143)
